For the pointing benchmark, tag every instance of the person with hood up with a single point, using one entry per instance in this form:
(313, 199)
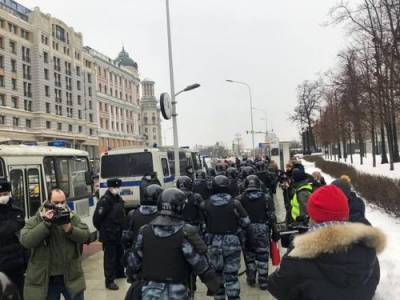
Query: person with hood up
(356, 204)
(334, 259)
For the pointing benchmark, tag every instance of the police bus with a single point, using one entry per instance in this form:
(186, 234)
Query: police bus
(34, 170)
(189, 161)
(130, 165)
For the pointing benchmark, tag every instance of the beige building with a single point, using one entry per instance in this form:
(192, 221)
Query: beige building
(47, 83)
(117, 93)
(151, 115)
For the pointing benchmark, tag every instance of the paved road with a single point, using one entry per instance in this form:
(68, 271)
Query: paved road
(93, 268)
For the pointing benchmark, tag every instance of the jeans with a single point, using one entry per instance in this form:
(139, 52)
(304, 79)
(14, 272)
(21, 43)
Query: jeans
(57, 288)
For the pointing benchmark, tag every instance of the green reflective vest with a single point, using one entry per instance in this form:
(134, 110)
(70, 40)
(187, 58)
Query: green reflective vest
(294, 203)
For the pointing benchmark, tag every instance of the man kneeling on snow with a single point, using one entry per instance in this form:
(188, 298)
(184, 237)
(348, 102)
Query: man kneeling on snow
(334, 259)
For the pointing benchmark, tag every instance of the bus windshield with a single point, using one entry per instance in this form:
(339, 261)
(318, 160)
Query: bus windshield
(67, 173)
(126, 165)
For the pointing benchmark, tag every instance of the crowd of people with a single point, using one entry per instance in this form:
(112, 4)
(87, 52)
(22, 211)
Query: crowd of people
(201, 229)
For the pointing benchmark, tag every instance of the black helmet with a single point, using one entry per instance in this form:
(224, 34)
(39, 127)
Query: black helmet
(172, 202)
(184, 183)
(211, 172)
(252, 183)
(232, 173)
(200, 174)
(151, 194)
(246, 171)
(221, 184)
(260, 165)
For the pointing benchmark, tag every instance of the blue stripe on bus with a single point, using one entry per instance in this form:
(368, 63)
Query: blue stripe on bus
(70, 205)
(103, 185)
(169, 179)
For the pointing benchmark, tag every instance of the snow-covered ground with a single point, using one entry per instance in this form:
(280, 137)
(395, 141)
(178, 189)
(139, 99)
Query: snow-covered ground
(389, 286)
(367, 167)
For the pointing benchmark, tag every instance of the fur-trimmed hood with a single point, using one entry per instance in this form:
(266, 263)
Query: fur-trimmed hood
(337, 238)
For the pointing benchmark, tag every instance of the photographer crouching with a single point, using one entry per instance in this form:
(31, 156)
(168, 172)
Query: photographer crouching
(55, 236)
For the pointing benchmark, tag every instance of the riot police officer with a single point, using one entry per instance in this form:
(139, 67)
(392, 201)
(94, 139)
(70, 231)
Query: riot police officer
(144, 214)
(166, 276)
(109, 219)
(148, 179)
(201, 185)
(225, 217)
(244, 172)
(260, 208)
(191, 212)
(232, 174)
(13, 257)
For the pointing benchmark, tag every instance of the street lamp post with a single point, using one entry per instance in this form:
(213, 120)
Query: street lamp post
(251, 110)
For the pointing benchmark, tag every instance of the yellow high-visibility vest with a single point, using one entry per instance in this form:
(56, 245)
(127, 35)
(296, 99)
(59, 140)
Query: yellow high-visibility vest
(294, 203)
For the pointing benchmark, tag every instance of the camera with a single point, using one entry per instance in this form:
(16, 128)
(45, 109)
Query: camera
(288, 232)
(61, 216)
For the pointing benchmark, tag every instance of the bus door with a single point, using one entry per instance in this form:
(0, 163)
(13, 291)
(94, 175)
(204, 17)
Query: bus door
(168, 178)
(26, 187)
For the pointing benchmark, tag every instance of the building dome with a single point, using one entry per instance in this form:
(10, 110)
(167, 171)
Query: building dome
(124, 59)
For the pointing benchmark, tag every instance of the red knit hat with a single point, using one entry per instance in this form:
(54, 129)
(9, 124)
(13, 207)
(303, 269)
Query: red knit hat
(328, 203)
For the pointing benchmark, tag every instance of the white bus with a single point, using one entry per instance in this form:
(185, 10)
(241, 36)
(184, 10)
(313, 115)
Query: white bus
(130, 165)
(34, 170)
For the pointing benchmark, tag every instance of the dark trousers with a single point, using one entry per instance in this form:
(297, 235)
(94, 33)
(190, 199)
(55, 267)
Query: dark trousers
(57, 288)
(113, 267)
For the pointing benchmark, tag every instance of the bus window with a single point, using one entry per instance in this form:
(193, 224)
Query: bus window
(17, 188)
(79, 166)
(63, 174)
(2, 172)
(34, 191)
(165, 168)
(50, 173)
(126, 165)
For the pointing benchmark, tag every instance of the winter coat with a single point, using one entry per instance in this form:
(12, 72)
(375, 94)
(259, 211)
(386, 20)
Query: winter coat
(109, 218)
(51, 241)
(330, 263)
(13, 257)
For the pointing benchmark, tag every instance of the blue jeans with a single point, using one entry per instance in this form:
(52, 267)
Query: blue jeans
(57, 288)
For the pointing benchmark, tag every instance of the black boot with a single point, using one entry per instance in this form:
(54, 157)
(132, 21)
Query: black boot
(111, 285)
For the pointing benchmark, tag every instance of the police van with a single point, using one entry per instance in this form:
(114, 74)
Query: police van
(189, 161)
(34, 170)
(130, 165)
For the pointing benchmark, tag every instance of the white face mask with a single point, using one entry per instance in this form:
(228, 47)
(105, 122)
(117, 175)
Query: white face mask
(115, 191)
(4, 199)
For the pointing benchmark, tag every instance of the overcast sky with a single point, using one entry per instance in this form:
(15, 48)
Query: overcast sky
(271, 45)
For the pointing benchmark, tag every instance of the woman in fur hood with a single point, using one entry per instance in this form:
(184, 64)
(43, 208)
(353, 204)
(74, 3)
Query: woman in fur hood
(334, 259)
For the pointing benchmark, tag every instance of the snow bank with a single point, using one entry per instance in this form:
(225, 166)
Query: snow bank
(367, 167)
(389, 286)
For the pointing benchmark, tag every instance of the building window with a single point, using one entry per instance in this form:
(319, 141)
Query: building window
(90, 117)
(90, 92)
(2, 100)
(28, 123)
(15, 121)
(45, 57)
(89, 78)
(1, 42)
(90, 105)
(13, 47)
(78, 85)
(1, 62)
(1, 81)
(27, 105)
(48, 124)
(13, 65)
(14, 102)
(2, 120)
(59, 126)
(14, 84)
(79, 114)
(47, 107)
(78, 71)
(46, 74)
(47, 90)
(79, 100)
(70, 128)
(90, 131)
(99, 87)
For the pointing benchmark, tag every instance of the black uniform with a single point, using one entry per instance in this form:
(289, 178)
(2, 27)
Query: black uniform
(202, 186)
(13, 257)
(191, 212)
(109, 219)
(147, 180)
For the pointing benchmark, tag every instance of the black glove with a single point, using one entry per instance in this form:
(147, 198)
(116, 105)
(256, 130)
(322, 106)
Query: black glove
(275, 233)
(213, 282)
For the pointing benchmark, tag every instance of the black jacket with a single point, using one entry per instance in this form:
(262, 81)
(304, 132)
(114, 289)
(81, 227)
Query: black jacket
(13, 257)
(330, 263)
(109, 218)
